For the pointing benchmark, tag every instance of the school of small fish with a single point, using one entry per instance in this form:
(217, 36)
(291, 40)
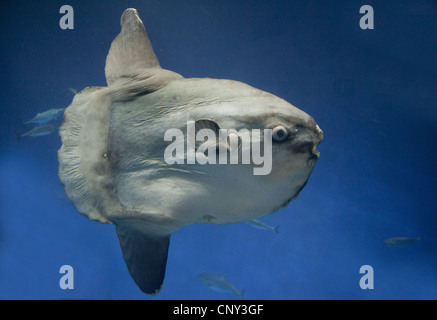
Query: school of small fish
(45, 122)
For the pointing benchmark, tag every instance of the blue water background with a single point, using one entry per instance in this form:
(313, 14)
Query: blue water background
(373, 92)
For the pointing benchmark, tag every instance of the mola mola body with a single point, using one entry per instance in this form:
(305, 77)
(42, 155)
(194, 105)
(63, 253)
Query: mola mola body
(112, 162)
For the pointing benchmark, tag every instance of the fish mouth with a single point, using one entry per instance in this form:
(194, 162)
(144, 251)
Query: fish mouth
(318, 135)
(314, 156)
(310, 148)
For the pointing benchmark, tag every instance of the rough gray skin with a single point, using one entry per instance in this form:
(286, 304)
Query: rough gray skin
(112, 163)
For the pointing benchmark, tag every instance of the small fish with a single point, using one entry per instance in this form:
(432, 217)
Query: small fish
(261, 225)
(400, 241)
(46, 116)
(218, 282)
(39, 131)
(72, 90)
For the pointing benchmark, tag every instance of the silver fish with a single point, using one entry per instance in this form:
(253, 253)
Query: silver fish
(400, 241)
(39, 131)
(113, 166)
(218, 282)
(261, 225)
(73, 91)
(46, 116)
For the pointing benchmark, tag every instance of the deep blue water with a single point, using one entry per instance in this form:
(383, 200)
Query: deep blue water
(373, 92)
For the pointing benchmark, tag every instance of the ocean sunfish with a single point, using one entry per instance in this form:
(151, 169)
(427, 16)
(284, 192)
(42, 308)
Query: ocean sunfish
(116, 166)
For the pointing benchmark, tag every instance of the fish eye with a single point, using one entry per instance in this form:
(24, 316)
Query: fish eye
(279, 133)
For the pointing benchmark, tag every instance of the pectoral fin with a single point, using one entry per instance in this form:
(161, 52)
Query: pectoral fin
(145, 256)
(232, 142)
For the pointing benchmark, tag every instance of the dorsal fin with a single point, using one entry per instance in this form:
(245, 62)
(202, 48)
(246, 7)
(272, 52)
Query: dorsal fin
(131, 52)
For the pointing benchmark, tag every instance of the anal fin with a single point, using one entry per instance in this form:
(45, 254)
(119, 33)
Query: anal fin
(145, 256)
